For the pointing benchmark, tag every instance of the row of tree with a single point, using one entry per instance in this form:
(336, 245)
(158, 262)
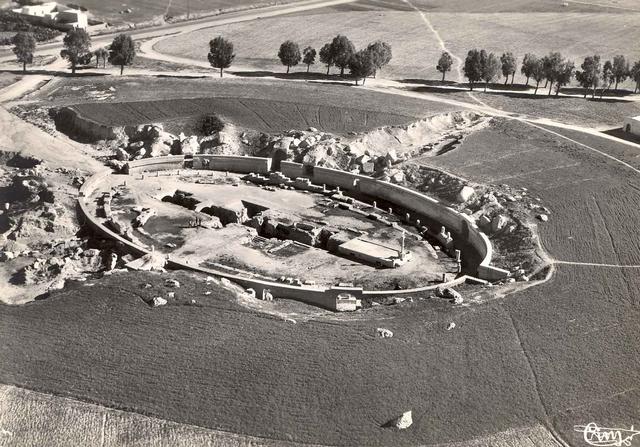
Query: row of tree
(479, 65)
(77, 50)
(340, 52)
(553, 68)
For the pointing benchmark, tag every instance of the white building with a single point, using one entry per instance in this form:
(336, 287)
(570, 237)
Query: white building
(632, 125)
(53, 12)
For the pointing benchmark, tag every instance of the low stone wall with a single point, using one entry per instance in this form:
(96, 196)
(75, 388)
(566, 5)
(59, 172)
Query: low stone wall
(238, 164)
(292, 170)
(347, 181)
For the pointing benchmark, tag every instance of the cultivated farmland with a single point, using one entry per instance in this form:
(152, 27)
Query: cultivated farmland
(263, 115)
(491, 6)
(148, 10)
(608, 34)
(415, 48)
(68, 91)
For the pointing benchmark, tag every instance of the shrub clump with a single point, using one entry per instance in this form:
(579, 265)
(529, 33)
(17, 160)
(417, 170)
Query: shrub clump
(211, 124)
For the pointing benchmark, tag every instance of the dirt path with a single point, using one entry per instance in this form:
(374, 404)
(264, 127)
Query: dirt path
(441, 42)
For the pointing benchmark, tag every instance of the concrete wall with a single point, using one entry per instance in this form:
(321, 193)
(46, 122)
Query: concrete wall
(415, 201)
(292, 170)
(239, 164)
(333, 177)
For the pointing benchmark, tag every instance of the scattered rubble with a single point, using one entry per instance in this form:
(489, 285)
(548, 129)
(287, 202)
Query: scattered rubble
(404, 421)
(172, 283)
(158, 301)
(384, 333)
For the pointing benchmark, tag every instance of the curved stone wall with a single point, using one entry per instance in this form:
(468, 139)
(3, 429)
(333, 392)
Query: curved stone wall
(324, 297)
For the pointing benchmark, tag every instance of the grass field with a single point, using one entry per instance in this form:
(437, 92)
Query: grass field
(262, 115)
(146, 10)
(260, 104)
(7, 79)
(412, 44)
(576, 111)
(213, 365)
(491, 6)
(507, 364)
(416, 49)
(590, 198)
(608, 34)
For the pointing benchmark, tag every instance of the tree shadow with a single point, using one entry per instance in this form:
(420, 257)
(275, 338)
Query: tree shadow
(621, 93)
(465, 85)
(64, 74)
(296, 75)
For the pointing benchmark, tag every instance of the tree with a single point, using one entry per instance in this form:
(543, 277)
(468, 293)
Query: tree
(529, 63)
(508, 62)
(551, 65)
(537, 71)
(122, 51)
(326, 56)
(444, 64)
(490, 68)
(608, 77)
(76, 46)
(620, 69)
(309, 57)
(24, 44)
(473, 68)
(342, 50)
(289, 54)
(361, 65)
(381, 55)
(564, 75)
(101, 53)
(589, 76)
(634, 73)
(221, 53)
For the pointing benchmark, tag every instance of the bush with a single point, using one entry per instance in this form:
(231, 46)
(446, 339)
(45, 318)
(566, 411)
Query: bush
(10, 21)
(211, 124)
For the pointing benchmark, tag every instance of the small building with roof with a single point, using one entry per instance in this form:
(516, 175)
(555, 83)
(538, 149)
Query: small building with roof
(53, 13)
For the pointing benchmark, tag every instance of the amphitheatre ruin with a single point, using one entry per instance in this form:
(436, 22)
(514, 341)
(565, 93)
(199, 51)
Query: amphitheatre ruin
(305, 225)
(255, 253)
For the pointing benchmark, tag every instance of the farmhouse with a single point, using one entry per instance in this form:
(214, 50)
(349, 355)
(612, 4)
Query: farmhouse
(632, 125)
(54, 13)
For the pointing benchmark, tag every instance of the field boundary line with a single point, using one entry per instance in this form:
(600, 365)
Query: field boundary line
(597, 264)
(441, 42)
(548, 424)
(604, 154)
(623, 8)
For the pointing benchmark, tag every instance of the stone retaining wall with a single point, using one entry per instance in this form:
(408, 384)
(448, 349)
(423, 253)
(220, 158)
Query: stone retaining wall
(72, 122)
(242, 165)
